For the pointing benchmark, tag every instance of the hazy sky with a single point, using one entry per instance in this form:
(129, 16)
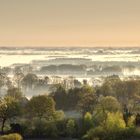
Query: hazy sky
(69, 22)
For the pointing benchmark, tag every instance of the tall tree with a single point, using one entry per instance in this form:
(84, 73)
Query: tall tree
(3, 80)
(29, 81)
(60, 97)
(18, 76)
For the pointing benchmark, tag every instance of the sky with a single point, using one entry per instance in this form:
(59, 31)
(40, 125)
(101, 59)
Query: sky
(70, 23)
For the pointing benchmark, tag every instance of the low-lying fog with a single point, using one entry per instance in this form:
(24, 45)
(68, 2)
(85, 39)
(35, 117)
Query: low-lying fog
(66, 64)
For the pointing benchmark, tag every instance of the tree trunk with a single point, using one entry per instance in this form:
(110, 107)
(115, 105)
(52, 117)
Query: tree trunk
(2, 127)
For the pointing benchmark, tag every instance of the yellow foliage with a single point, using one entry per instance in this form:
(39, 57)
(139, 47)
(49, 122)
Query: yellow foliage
(11, 137)
(131, 121)
(115, 121)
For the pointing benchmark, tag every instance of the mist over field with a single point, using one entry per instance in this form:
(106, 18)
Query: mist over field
(70, 63)
(82, 62)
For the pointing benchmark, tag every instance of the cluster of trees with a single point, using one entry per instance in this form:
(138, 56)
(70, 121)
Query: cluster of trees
(113, 108)
(14, 107)
(108, 112)
(64, 69)
(127, 93)
(31, 84)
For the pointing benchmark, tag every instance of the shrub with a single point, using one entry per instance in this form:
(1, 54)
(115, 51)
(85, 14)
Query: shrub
(70, 127)
(43, 128)
(14, 136)
(95, 133)
(131, 121)
(61, 126)
(26, 129)
(103, 134)
(58, 115)
(39, 128)
(51, 130)
(88, 122)
(137, 132)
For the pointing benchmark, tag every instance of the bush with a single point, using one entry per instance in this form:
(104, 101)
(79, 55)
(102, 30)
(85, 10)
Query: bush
(61, 126)
(131, 121)
(103, 134)
(26, 129)
(51, 130)
(137, 132)
(38, 128)
(11, 137)
(58, 115)
(43, 128)
(119, 135)
(88, 122)
(95, 133)
(70, 127)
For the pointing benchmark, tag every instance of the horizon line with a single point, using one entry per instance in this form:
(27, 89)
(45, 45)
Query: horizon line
(69, 46)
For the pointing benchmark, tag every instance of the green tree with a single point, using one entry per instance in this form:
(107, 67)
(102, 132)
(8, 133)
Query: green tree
(106, 90)
(105, 105)
(109, 104)
(9, 108)
(60, 97)
(41, 106)
(73, 97)
(87, 103)
(128, 94)
(109, 86)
